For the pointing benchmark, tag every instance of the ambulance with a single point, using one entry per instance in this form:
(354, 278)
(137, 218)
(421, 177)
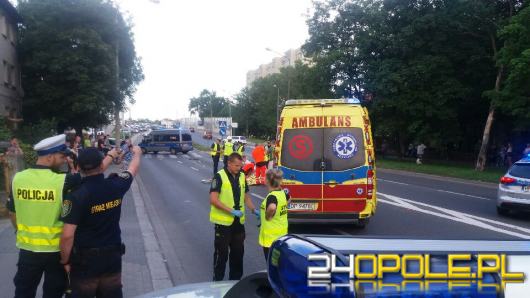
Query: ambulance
(325, 149)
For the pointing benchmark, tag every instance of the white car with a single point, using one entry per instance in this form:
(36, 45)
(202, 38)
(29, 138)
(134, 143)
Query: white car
(514, 188)
(240, 139)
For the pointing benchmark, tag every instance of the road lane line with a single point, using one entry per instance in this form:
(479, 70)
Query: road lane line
(257, 196)
(195, 169)
(172, 156)
(463, 194)
(438, 190)
(453, 215)
(390, 181)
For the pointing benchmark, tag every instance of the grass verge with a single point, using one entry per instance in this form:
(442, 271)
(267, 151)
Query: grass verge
(201, 147)
(447, 170)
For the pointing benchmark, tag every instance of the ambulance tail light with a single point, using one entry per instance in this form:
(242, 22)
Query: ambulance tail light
(370, 158)
(370, 184)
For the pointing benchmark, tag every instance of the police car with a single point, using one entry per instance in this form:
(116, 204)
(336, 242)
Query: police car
(514, 188)
(287, 270)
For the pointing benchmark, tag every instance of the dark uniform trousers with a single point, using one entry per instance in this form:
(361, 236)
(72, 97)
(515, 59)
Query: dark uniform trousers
(215, 159)
(31, 266)
(228, 244)
(97, 273)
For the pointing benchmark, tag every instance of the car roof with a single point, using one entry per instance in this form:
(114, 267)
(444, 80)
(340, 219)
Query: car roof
(524, 160)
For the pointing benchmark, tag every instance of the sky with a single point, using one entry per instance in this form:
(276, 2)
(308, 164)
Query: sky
(190, 45)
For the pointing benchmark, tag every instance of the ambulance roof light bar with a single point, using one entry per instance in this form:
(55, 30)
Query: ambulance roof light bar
(292, 102)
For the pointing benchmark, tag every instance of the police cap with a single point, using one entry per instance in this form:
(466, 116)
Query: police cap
(51, 145)
(89, 158)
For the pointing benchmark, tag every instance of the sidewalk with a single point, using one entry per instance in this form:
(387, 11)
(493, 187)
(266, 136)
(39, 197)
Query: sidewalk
(136, 275)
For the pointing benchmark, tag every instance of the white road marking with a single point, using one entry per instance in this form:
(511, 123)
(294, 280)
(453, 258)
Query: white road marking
(179, 161)
(463, 194)
(173, 156)
(257, 196)
(390, 181)
(438, 190)
(455, 216)
(195, 169)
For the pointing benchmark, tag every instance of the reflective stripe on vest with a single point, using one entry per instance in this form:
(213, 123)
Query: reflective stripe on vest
(241, 150)
(226, 196)
(38, 199)
(214, 149)
(277, 226)
(229, 149)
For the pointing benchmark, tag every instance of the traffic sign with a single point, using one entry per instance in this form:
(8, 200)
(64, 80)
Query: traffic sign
(234, 124)
(222, 131)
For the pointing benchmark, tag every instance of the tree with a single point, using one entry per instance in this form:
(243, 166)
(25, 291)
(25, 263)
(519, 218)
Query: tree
(68, 52)
(208, 104)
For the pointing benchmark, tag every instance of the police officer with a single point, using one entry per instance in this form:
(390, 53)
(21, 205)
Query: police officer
(35, 205)
(228, 197)
(228, 148)
(274, 222)
(215, 152)
(91, 247)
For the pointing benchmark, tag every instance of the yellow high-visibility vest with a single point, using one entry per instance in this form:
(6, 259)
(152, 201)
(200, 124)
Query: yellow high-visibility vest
(278, 225)
(228, 148)
(214, 149)
(38, 199)
(226, 196)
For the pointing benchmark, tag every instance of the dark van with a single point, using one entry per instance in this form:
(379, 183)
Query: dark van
(172, 140)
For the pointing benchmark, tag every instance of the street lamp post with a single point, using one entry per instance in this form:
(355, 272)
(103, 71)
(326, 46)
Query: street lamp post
(288, 76)
(277, 104)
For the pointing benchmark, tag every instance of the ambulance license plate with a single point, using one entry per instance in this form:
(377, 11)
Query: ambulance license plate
(526, 188)
(303, 206)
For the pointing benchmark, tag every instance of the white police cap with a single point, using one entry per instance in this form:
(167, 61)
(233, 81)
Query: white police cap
(56, 144)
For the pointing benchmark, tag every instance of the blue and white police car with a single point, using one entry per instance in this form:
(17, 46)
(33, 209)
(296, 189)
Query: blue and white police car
(514, 188)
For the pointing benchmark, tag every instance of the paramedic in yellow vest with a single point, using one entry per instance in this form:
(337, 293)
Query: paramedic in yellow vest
(35, 207)
(228, 148)
(273, 211)
(215, 152)
(228, 197)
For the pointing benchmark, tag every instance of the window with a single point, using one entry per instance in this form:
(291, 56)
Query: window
(521, 170)
(5, 66)
(12, 80)
(314, 149)
(3, 25)
(186, 137)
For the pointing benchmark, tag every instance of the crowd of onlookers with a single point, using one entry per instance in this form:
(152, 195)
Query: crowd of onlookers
(102, 142)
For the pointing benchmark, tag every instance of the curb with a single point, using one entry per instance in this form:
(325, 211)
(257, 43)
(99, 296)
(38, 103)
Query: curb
(156, 262)
(440, 178)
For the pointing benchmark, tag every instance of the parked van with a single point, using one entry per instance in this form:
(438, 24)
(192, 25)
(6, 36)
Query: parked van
(326, 152)
(172, 140)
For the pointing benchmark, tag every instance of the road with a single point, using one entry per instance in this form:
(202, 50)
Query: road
(410, 206)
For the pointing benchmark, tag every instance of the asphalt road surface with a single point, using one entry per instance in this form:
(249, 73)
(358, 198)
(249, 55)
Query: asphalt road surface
(410, 206)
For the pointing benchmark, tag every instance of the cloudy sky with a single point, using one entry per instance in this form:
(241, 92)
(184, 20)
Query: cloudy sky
(187, 46)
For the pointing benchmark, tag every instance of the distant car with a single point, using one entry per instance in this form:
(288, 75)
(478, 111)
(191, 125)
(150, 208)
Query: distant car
(514, 188)
(240, 139)
(207, 135)
(192, 129)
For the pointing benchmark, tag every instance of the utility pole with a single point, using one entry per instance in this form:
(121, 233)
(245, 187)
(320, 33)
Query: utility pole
(117, 127)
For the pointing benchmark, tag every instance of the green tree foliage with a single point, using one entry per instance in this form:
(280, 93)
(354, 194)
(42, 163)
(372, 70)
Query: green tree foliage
(424, 70)
(515, 54)
(68, 51)
(209, 104)
(255, 109)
